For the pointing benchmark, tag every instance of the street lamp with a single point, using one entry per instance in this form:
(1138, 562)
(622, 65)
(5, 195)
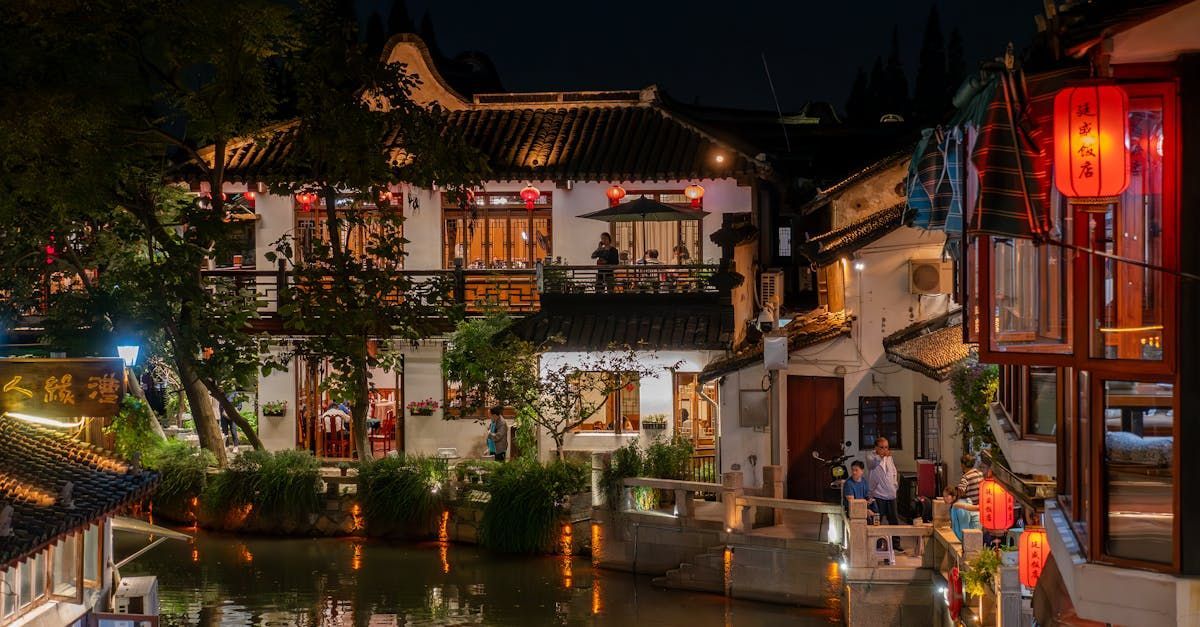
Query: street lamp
(128, 354)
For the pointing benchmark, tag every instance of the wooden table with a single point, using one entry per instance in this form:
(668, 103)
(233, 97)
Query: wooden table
(1134, 403)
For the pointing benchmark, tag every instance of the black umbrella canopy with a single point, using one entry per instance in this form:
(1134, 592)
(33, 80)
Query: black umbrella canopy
(644, 209)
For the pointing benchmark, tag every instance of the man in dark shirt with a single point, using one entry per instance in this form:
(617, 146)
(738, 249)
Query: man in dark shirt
(605, 255)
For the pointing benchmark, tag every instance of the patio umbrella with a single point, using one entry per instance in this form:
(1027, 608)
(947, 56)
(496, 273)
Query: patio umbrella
(644, 210)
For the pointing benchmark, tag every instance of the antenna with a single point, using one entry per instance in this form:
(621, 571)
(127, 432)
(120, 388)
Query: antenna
(786, 142)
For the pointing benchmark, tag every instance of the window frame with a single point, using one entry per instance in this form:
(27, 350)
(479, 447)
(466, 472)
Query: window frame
(919, 434)
(481, 215)
(362, 233)
(897, 444)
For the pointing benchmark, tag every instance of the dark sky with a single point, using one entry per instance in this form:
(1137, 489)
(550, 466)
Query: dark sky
(710, 50)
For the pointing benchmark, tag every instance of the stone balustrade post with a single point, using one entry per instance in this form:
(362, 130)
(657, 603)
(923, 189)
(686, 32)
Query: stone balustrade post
(773, 479)
(685, 505)
(731, 490)
(858, 547)
(1009, 597)
(941, 514)
(600, 461)
(972, 544)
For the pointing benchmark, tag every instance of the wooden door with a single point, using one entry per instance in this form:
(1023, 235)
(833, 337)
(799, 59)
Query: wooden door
(814, 423)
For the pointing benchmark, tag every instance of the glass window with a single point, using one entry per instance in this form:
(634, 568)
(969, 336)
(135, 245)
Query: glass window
(1126, 298)
(1030, 300)
(496, 232)
(91, 555)
(621, 413)
(929, 431)
(1042, 417)
(971, 287)
(10, 591)
(695, 418)
(1085, 456)
(1139, 486)
(1068, 450)
(25, 585)
(39, 575)
(66, 567)
(879, 417)
(363, 224)
(677, 242)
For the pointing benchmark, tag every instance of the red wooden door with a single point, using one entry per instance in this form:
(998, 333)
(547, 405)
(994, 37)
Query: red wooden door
(814, 423)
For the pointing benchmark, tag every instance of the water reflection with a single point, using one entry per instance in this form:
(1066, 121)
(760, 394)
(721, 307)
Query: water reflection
(221, 580)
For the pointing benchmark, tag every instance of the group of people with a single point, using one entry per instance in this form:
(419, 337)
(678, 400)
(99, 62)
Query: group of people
(881, 486)
(607, 255)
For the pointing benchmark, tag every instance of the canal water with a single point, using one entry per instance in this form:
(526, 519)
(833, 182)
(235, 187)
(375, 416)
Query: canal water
(221, 580)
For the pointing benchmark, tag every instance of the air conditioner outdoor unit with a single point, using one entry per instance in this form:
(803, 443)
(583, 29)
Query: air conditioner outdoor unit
(930, 276)
(770, 290)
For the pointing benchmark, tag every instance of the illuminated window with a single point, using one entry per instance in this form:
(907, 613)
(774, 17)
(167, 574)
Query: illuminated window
(695, 410)
(361, 227)
(621, 413)
(498, 232)
(1030, 293)
(91, 556)
(678, 242)
(1138, 472)
(66, 567)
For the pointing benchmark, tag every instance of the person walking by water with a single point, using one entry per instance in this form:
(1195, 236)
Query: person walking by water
(497, 436)
(884, 483)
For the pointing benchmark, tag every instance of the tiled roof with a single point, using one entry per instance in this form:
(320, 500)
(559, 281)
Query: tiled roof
(625, 141)
(36, 463)
(828, 247)
(644, 327)
(931, 347)
(831, 192)
(813, 328)
(1085, 22)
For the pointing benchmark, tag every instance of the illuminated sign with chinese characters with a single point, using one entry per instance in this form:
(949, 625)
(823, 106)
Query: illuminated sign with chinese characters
(62, 388)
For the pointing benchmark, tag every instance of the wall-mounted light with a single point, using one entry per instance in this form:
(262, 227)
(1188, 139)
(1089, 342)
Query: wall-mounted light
(859, 266)
(128, 354)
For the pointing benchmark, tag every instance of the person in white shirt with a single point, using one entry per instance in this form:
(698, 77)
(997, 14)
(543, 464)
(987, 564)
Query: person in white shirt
(884, 482)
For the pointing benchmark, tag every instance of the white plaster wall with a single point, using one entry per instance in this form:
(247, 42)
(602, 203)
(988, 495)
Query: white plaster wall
(278, 433)
(738, 444)
(426, 434)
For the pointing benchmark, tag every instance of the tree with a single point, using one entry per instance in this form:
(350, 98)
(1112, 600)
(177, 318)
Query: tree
(895, 84)
(358, 132)
(398, 19)
(489, 365)
(956, 67)
(930, 94)
(121, 103)
(877, 89)
(569, 393)
(858, 105)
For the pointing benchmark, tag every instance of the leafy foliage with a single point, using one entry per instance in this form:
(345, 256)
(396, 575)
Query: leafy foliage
(661, 460)
(491, 366)
(131, 429)
(402, 494)
(974, 387)
(669, 459)
(526, 504)
(183, 473)
(980, 575)
(280, 484)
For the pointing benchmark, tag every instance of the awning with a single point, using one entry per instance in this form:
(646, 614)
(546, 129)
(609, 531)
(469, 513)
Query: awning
(931, 347)
(141, 527)
(644, 209)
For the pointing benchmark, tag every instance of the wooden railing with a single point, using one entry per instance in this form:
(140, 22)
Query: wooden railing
(702, 468)
(626, 279)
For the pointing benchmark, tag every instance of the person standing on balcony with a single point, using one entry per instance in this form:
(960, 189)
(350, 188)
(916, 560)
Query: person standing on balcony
(884, 483)
(497, 436)
(606, 255)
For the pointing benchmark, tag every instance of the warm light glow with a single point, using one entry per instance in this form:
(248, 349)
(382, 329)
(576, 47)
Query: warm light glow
(597, 598)
(1091, 159)
(26, 492)
(245, 554)
(694, 193)
(1151, 327)
(45, 422)
(720, 158)
(727, 563)
(565, 542)
(860, 266)
(615, 194)
(356, 560)
(1034, 549)
(995, 505)
(356, 516)
(443, 527)
(597, 545)
(530, 195)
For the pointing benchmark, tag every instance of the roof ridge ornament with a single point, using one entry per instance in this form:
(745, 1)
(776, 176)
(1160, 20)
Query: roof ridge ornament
(66, 496)
(6, 517)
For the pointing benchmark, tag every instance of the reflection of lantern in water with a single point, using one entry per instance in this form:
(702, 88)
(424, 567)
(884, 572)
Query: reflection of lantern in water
(727, 563)
(356, 561)
(245, 554)
(597, 546)
(597, 596)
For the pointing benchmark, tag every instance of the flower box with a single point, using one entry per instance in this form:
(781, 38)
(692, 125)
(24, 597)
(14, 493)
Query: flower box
(421, 411)
(274, 409)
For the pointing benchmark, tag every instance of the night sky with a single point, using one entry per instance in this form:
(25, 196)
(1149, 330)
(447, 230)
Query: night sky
(710, 50)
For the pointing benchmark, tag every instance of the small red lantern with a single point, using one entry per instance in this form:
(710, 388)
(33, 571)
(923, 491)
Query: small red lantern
(250, 196)
(50, 251)
(694, 193)
(1033, 550)
(995, 505)
(306, 199)
(955, 597)
(1090, 126)
(530, 195)
(615, 194)
(385, 198)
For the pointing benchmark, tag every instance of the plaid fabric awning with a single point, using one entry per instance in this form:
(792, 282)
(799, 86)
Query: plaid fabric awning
(1013, 153)
(935, 194)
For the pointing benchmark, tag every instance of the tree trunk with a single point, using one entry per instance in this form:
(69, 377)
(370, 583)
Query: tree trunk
(358, 412)
(233, 414)
(135, 388)
(207, 427)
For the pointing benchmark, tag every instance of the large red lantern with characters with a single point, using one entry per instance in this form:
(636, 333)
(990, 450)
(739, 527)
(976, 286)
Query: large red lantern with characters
(1033, 550)
(995, 505)
(694, 193)
(1090, 126)
(615, 194)
(530, 195)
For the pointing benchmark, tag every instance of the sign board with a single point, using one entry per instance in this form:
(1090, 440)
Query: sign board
(62, 388)
(775, 352)
(752, 408)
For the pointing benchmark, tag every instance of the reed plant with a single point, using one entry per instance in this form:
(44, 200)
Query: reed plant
(527, 500)
(402, 494)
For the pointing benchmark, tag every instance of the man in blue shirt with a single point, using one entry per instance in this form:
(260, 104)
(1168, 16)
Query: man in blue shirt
(855, 486)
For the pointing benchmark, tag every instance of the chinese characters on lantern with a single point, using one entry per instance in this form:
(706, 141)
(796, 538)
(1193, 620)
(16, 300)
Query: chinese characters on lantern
(1090, 158)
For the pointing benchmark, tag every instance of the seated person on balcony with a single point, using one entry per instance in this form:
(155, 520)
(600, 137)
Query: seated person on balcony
(685, 423)
(605, 255)
(884, 484)
(650, 258)
(963, 499)
(682, 256)
(855, 486)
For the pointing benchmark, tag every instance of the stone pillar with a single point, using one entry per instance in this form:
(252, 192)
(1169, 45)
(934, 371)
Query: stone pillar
(600, 461)
(858, 548)
(1009, 596)
(941, 514)
(731, 489)
(685, 506)
(773, 478)
(972, 544)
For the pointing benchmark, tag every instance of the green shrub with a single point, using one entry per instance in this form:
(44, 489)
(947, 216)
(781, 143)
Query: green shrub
(402, 493)
(626, 462)
(980, 575)
(183, 472)
(282, 484)
(131, 429)
(668, 460)
(527, 499)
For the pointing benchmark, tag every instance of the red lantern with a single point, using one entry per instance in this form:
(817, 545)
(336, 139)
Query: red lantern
(249, 196)
(530, 195)
(385, 198)
(955, 600)
(615, 194)
(50, 251)
(995, 505)
(1090, 126)
(1033, 550)
(306, 199)
(694, 193)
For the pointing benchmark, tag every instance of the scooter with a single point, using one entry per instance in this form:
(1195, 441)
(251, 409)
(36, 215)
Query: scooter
(837, 469)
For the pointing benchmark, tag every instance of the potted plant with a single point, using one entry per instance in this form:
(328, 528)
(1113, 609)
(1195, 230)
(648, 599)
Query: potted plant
(343, 468)
(655, 422)
(423, 408)
(274, 409)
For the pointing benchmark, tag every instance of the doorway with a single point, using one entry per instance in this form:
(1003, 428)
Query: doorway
(815, 410)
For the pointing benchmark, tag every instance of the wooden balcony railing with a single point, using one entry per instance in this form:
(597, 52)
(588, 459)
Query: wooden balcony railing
(631, 279)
